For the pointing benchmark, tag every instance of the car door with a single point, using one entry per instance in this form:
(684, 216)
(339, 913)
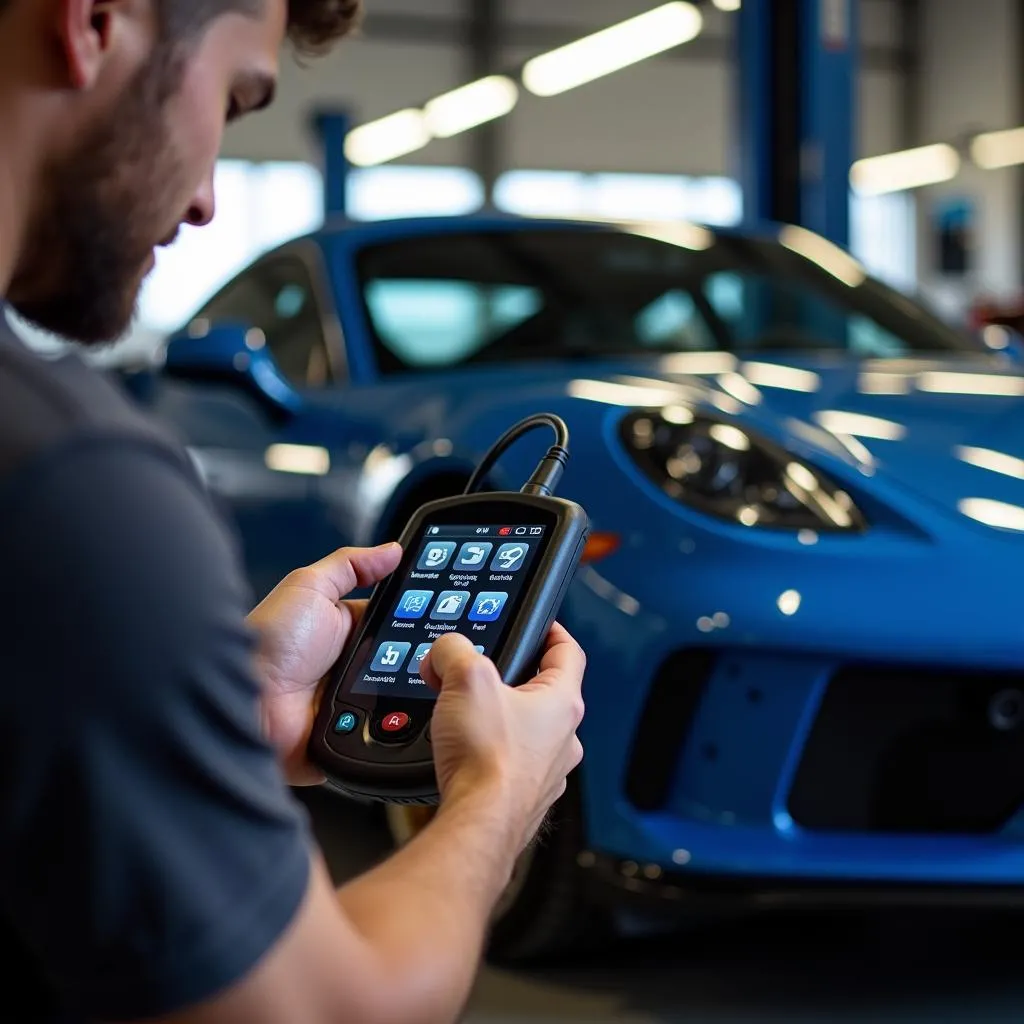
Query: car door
(266, 470)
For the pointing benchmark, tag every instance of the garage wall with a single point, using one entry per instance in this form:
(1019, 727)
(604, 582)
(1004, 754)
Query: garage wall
(971, 81)
(670, 114)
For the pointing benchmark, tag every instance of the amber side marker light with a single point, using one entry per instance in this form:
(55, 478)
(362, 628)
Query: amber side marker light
(600, 545)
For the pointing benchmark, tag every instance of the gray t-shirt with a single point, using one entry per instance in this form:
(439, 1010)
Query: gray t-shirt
(150, 850)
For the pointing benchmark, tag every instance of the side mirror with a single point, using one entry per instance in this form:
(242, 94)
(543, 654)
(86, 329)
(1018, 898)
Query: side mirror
(233, 352)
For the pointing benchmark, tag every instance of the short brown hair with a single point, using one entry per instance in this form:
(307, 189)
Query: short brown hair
(313, 25)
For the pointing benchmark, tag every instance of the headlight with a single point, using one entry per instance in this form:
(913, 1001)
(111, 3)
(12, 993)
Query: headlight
(728, 472)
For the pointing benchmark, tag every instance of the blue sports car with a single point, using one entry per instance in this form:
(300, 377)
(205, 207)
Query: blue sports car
(806, 663)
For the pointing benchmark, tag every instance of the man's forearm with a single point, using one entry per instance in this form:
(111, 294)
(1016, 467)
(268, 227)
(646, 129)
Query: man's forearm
(425, 910)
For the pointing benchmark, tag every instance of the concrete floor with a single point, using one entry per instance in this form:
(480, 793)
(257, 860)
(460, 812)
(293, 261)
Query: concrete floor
(926, 967)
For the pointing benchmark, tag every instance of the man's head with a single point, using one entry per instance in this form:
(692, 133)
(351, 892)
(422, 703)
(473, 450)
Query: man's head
(119, 108)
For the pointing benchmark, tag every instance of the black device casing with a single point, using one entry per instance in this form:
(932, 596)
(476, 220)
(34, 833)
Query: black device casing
(359, 765)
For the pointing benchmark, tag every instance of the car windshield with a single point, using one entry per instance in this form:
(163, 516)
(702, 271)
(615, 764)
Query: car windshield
(524, 294)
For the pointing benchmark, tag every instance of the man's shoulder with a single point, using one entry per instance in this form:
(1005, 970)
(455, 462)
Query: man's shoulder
(48, 403)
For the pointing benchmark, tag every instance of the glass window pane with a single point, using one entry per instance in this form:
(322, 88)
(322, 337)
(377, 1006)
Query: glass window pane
(440, 322)
(277, 297)
(527, 294)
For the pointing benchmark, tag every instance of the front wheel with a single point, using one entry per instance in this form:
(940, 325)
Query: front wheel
(543, 912)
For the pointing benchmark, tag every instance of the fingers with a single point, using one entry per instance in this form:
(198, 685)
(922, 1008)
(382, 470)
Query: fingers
(563, 663)
(356, 608)
(452, 661)
(344, 570)
(563, 654)
(561, 670)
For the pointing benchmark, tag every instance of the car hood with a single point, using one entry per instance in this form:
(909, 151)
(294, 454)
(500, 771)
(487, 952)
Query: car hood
(948, 430)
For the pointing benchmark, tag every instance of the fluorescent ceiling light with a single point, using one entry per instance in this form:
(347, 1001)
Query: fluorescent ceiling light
(838, 422)
(996, 337)
(997, 462)
(833, 260)
(377, 142)
(612, 48)
(909, 168)
(682, 233)
(771, 375)
(951, 383)
(298, 458)
(621, 394)
(732, 437)
(877, 382)
(698, 363)
(739, 387)
(993, 513)
(998, 149)
(471, 105)
(728, 5)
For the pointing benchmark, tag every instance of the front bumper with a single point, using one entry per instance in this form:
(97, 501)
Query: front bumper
(784, 774)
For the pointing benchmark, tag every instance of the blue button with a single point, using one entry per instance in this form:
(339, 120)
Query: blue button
(488, 606)
(414, 604)
(346, 722)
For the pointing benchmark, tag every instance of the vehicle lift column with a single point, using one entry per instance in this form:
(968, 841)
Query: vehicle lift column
(330, 126)
(796, 130)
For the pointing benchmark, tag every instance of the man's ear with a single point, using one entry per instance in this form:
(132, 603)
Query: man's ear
(86, 30)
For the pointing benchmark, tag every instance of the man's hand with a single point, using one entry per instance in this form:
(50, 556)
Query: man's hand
(517, 745)
(303, 624)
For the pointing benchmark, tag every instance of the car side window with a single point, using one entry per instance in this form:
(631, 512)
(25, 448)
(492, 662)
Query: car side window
(277, 296)
(762, 312)
(672, 320)
(441, 322)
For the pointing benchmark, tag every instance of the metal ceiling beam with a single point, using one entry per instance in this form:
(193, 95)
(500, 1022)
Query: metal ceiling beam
(426, 30)
(484, 31)
(910, 38)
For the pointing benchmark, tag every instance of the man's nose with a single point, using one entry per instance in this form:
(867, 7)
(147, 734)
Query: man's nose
(202, 207)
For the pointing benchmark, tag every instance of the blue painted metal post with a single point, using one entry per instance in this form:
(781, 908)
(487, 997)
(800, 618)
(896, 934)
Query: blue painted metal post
(797, 75)
(331, 127)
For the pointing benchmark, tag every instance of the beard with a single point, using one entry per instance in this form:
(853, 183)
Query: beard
(106, 206)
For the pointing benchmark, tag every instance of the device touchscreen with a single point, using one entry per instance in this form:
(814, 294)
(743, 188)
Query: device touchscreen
(466, 579)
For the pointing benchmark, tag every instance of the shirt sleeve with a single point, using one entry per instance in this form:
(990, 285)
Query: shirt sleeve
(152, 852)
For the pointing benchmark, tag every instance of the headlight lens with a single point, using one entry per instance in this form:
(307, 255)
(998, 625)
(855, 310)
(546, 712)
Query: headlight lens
(727, 471)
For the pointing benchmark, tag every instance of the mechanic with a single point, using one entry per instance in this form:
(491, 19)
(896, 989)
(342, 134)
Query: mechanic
(155, 862)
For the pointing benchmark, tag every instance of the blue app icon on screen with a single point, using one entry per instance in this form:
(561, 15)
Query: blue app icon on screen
(473, 555)
(416, 660)
(450, 605)
(510, 557)
(413, 604)
(487, 606)
(389, 656)
(435, 554)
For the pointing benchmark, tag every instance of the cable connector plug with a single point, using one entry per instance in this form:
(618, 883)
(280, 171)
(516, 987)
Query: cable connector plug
(548, 472)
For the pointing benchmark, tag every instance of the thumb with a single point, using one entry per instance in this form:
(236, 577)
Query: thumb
(347, 568)
(451, 661)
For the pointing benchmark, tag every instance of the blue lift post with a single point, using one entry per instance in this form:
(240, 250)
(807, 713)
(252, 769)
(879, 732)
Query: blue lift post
(797, 83)
(331, 127)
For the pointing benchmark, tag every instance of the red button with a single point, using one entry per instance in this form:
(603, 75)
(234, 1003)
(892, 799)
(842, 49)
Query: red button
(395, 722)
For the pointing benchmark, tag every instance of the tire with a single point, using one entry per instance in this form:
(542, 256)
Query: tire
(543, 914)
